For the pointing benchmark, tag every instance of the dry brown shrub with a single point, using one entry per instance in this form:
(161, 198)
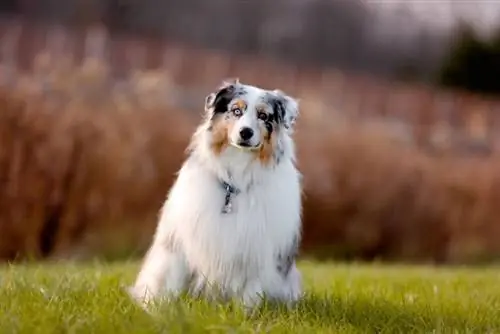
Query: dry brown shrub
(71, 174)
(368, 197)
(84, 168)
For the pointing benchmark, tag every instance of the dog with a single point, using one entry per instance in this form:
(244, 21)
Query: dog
(231, 224)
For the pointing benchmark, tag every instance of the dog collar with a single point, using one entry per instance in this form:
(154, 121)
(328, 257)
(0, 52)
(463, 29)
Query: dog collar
(230, 191)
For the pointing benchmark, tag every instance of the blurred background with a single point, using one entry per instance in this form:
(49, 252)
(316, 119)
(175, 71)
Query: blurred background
(398, 138)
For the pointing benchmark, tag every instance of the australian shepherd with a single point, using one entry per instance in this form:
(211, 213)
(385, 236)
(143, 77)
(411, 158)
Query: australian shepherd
(231, 224)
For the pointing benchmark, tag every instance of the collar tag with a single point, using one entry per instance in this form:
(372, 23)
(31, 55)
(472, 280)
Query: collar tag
(230, 191)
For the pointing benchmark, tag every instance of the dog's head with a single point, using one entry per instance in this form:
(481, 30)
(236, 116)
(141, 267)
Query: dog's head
(249, 118)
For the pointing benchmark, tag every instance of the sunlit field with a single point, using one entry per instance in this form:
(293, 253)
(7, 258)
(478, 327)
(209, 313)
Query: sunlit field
(90, 298)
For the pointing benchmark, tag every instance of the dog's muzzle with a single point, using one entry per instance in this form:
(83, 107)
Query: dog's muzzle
(245, 139)
(246, 146)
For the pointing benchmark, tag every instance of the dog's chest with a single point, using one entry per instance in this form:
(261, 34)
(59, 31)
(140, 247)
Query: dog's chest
(262, 220)
(254, 216)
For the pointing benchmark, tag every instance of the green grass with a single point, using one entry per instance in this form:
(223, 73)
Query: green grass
(89, 298)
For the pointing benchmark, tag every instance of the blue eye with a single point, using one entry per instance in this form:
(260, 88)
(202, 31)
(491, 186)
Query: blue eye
(237, 111)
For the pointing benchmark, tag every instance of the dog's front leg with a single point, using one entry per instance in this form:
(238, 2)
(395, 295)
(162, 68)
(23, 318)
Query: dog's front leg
(253, 294)
(268, 284)
(274, 285)
(292, 286)
(163, 271)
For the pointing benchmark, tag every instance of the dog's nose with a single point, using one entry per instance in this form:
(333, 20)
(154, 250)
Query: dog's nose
(246, 133)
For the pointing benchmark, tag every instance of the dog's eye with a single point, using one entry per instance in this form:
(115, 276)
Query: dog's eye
(262, 115)
(237, 111)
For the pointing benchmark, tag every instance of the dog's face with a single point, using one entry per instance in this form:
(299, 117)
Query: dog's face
(249, 117)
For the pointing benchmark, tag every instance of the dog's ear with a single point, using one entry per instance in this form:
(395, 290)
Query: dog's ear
(217, 102)
(287, 109)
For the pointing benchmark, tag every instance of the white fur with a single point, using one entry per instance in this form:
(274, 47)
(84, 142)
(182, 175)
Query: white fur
(199, 249)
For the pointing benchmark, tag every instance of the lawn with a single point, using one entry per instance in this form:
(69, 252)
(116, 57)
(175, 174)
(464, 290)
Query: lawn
(89, 298)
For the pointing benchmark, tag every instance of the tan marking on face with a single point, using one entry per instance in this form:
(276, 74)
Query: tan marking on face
(239, 104)
(268, 146)
(221, 127)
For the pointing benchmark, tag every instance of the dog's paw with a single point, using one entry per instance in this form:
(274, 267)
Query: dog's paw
(293, 287)
(141, 296)
(253, 296)
(137, 294)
